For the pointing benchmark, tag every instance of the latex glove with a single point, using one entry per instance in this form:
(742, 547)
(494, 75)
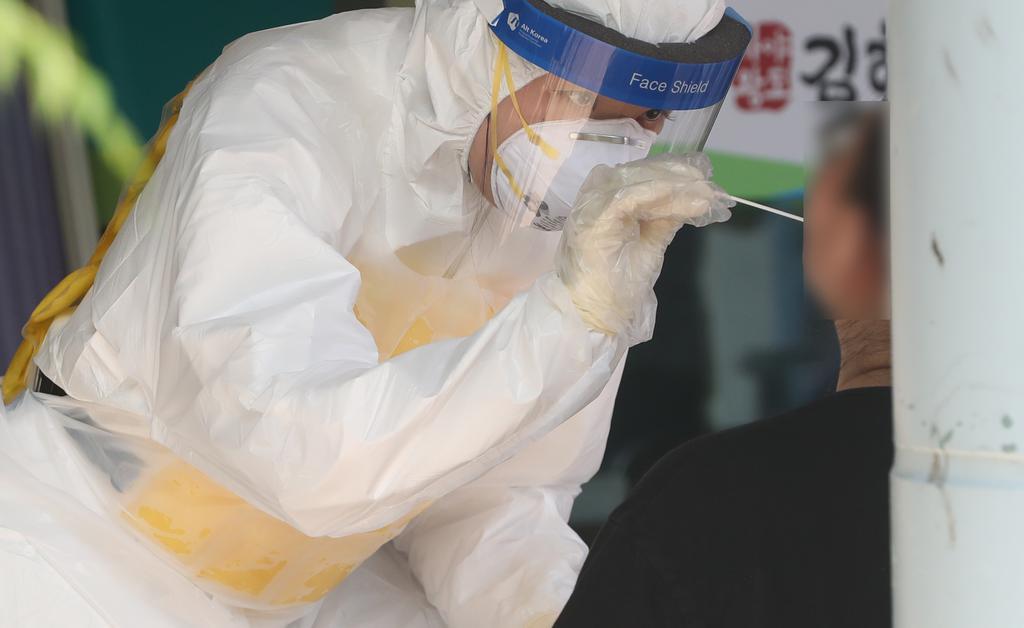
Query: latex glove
(614, 242)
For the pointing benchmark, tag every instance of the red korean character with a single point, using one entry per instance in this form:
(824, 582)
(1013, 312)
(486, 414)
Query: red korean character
(764, 80)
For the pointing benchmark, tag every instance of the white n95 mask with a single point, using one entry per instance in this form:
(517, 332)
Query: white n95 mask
(549, 182)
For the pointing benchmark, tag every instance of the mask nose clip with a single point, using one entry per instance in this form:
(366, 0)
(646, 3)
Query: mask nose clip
(622, 140)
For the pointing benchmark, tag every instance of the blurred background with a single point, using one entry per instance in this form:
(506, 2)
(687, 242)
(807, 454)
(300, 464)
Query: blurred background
(83, 83)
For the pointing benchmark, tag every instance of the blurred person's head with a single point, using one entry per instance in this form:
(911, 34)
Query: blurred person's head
(846, 257)
(846, 244)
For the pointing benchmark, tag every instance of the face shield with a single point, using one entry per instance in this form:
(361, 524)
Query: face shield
(601, 98)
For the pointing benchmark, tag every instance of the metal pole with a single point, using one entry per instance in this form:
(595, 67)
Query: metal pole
(957, 86)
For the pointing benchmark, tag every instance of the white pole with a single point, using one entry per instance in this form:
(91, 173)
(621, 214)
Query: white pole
(957, 92)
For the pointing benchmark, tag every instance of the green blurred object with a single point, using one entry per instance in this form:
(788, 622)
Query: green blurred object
(64, 85)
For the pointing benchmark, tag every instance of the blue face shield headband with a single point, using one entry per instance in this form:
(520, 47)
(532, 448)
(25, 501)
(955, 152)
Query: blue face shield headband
(669, 77)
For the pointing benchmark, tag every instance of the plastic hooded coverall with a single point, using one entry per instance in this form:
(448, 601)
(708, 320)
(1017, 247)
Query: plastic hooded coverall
(243, 317)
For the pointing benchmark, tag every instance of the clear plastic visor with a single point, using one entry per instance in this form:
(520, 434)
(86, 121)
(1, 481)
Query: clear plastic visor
(541, 142)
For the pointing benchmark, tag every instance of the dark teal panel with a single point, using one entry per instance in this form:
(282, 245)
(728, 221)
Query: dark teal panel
(150, 50)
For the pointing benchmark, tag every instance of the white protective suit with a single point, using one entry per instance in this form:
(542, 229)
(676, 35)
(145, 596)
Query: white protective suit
(242, 319)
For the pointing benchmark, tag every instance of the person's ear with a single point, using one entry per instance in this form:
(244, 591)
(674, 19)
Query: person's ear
(829, 247)
(878, 269)
(837, 240)
(860, 256)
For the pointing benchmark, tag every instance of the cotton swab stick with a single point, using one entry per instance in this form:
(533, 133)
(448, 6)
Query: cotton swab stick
(772, 210)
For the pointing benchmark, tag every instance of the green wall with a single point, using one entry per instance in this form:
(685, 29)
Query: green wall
(151, 50)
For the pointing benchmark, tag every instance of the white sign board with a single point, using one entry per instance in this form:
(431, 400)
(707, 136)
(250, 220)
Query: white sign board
(802, 51)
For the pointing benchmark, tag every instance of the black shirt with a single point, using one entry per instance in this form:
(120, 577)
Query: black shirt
(783, 523)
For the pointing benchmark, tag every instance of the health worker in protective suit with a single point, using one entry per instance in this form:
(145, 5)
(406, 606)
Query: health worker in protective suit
(351, 344)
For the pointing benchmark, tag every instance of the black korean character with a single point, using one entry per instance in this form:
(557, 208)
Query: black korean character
(878, 70)
(834, 79)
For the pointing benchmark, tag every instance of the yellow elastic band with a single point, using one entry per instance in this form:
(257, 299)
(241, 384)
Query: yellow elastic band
(502, 69)
(550, 151)
(495, 89)
(67, 294)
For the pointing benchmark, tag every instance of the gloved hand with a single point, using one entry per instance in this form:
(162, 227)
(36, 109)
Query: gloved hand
(614, 242)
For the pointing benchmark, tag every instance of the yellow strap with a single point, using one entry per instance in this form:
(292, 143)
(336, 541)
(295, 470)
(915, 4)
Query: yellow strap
(495, 88)
(550, 151)
(502, 69)
(69, 292)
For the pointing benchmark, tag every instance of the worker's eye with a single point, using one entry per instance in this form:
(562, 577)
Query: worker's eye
(654, 114)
